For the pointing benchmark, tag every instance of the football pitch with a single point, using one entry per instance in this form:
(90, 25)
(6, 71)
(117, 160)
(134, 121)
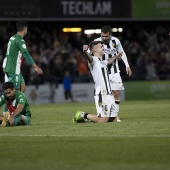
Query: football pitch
(52, 142)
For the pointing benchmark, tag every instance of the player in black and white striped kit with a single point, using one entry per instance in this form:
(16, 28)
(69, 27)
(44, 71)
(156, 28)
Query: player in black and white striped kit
(104, 100)
(112, 46)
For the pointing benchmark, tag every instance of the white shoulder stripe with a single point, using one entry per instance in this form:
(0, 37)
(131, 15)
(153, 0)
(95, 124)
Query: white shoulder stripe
(12, 38)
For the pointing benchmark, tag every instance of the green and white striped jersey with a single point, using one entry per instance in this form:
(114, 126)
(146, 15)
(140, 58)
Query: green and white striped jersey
(16, 47)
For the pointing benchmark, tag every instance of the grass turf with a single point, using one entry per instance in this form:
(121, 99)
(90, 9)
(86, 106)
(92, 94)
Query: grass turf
(52, 141)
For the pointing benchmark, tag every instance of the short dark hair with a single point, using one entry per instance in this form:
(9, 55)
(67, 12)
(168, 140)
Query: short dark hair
(93, 43)
(106, 29)
(21, 25)
(8, 85)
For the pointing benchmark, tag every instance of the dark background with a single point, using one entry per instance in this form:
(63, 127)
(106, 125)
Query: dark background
(146, 37)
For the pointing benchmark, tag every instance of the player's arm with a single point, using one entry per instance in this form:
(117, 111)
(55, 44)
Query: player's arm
(31, 62)
(124, 58)
(87, 55)
(112, 59)
(27, 56)
(128, 69)
(18, 110)
(4, 64)
(2, 100)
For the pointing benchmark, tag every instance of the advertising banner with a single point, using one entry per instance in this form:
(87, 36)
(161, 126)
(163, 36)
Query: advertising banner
(86, 9)
(50, 94)
(62, 10)
(151, 9)
(147, 90)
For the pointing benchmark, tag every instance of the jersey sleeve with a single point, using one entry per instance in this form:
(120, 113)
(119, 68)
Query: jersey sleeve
(22, 99)
(2, 100)
(105, 62)
(28, 58)
(88, 50)
(22, 46)
(4, 62)
(23, 49)
(120, 49)
(90, 65)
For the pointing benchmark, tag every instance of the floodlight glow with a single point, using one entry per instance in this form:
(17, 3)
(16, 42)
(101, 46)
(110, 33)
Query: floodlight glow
(120, 29)
(114, 29)
(89, 31)
(65, 29)
(97, 31)
(75, 29)
(72, 29)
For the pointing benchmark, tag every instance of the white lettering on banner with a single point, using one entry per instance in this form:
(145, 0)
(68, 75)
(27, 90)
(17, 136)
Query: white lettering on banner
(86, 8)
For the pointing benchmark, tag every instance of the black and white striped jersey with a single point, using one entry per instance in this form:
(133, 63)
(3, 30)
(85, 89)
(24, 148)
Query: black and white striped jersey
(111, 49)
(100, 75)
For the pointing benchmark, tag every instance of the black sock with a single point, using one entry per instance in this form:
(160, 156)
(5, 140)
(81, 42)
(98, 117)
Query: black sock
(117, 101)
(85, 115)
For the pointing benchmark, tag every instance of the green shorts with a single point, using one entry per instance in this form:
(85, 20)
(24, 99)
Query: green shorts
(16, 79)
(27, 120)
(17, 120)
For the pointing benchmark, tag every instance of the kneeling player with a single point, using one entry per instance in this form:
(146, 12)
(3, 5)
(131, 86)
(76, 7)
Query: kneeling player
(18, 112)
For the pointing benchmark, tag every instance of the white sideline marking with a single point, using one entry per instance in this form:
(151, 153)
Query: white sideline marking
(127, 136)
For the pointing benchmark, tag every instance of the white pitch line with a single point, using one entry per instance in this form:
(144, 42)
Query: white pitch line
(112, 136)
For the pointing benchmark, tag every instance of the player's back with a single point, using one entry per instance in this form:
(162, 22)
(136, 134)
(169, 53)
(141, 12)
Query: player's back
(14, 54)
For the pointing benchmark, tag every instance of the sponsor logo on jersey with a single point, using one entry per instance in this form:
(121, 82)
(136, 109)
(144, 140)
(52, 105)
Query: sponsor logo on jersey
(113, 45)
(21, 100)
(110, 51)
(23, 46)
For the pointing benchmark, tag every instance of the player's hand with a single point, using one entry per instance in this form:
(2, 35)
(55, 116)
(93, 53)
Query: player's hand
(85, 47)
(38, 70)
(128, 71)
(11, 119)
(119, 55)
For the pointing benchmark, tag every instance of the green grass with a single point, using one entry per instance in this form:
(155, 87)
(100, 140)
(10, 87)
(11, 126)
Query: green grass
(53, 142)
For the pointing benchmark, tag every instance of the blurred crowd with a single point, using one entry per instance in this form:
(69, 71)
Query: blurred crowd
(147, 49)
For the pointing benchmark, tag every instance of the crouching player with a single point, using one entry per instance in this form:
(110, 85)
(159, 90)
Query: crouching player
(18, 108)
